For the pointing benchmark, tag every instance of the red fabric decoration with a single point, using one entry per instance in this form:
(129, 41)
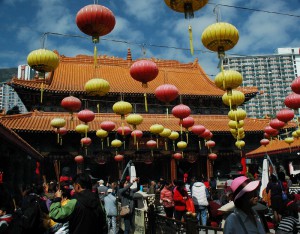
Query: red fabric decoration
(185, 177)
(190, 205)
(37, 169)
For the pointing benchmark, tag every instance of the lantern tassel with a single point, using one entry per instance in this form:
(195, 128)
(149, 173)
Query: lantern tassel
(157, 142)
(166, 146)
(134, 138)
(137, 146)
(60, 141)
(199, 142)
(167, 111)
(42, 92)
(102, 144)
(57, 138)
(174, 146)
(98, 108)
(146, 103)
(187, 136)
(180, 128)
(95, 55)
(107, 140)
(191, 40)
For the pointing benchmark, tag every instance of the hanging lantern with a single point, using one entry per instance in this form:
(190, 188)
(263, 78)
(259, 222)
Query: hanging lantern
(119, 158)
(292, 101)
(101, 134)
(289, 140)
(236, 124)
(177, 156)
(296, 85)
(276, 124)
(96, 21)
(156, 129)
(187, 123)
(43, 60)
(210, 144)
(58, 123)
(122, 108)
(206, 134)
(266, 135)
(181, 111)
(116, 143)
(71, 104)
(198, 129)
(144, 71)
(166, 93)
(271, 131)
(181, 145)
(86, 115)
(285, 115)
(82, 128)
(97, 87)
(264, 142)
(237, 115)
(79, 159)
(61, 132)
(86, 141)
(165, 134)
(151, 144)
(220, 37)
(212, 156)
(136, 134)
(236, 98)
(134, 120)
(108, 126)
(173, 136)
(124, 131)
(240, 144)
(228, 80)
(294, 134)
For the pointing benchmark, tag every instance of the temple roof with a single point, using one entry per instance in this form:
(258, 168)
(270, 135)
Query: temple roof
(73, 72)
(275, 147)
(40, 122)
(8, 135)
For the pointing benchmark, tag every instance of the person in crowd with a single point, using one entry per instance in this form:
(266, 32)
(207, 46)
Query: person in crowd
(276, 197)
(114, 187)
(226, 197)
(180, 196)
(110, 204)
(102, 190)
(213, 183)
(5, 220)
(244, 219)
(289, 224)
(166, 196)
(126, 196)
(84, 212)
(214, 204)
(152, 187)
(200, 194)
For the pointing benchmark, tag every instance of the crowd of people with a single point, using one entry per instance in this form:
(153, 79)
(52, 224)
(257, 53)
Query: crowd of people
(77, 205)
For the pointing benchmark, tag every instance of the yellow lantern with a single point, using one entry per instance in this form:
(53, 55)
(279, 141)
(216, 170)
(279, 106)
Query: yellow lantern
(101, 134)
(298, 132)
(240, 144)
(134, 120)
(181, 145)
(236, 98)
(166, 133)
(289, 140)
(97, 87)
(186, 6)
(116, 143)
(220, 37)
(82, 129)
(294, 134)
(173, 136)
(58, 123)
(236, 124)
(43, 60)
(237, 115)
(122, 108)
(228, 79)
(156, 129)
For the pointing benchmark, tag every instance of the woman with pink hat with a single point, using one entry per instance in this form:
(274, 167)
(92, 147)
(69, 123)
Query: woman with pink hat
(244, 219)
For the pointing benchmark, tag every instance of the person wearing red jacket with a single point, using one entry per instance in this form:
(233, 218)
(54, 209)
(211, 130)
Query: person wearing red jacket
(166, 196)
(180, 196)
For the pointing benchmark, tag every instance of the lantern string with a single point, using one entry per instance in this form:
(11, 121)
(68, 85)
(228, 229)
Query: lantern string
(146, 103)
(191, 40)
(98, 108)
(42, 91)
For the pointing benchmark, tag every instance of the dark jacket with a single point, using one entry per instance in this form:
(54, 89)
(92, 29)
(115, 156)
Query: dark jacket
(84, 213)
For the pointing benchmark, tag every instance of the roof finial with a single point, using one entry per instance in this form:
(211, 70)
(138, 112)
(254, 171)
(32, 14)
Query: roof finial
(129, 58)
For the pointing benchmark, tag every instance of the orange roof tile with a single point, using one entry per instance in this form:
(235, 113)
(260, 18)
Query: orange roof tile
(275, 147)
(18, 141)
(40, 121)
(73, 72)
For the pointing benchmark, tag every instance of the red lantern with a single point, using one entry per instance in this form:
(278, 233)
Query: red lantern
(86, 141)
(264, 142)
(206, 134)
(210, 144)
(144, 71)
(95, 20)
(292, 101)
(276, 124)
(166, 93)
(61, 131)
(187, 122)
(86, 116)
(108, 126)
(271, 131)
(181, 111)
(177, 156)
(198, 129)
(124, 130)
(151, 144)
(71, 104)
(212, 156)
(119, 158)
(285, 115)
(79, 159)
(137, 133)
(266, 135)
(296, 85)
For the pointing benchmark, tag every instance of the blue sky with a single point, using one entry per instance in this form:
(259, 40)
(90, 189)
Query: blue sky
(147, 22)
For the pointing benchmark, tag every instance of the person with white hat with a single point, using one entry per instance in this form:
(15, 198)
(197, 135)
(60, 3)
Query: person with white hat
(102, 190)
(244, 219)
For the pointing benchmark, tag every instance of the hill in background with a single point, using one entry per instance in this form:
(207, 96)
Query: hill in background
(7, 74)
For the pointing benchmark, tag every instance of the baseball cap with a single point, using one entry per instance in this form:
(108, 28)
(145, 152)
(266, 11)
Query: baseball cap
(101, 181)
(109, 190)
(242, 185)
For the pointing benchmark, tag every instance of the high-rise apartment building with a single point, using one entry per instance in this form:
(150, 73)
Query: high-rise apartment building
(271, 74)
(8, 97)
